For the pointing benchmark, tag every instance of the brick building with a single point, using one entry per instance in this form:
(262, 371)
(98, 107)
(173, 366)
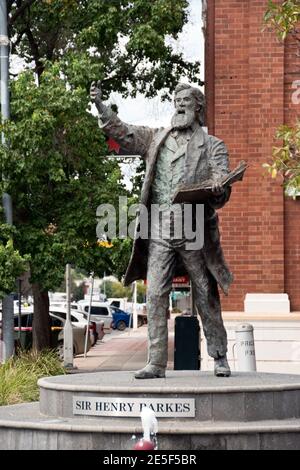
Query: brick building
(249, 76)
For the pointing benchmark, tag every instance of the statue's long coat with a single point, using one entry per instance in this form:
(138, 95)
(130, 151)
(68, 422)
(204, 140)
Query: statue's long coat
(206, 156)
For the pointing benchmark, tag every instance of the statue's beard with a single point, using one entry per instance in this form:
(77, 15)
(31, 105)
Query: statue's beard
(183, 120)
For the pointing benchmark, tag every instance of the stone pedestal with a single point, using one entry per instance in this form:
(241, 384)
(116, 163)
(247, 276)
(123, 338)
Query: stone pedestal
(267, 303)
(245, 411)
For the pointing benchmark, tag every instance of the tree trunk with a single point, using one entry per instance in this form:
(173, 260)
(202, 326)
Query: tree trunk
(41, 327)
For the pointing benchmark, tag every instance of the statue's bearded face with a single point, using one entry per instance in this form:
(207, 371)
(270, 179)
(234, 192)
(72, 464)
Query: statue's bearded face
(186, 110)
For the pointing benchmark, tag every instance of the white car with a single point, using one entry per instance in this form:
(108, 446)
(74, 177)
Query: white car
(100, 311)
(78, 319)
(78, 341)
(63, 304)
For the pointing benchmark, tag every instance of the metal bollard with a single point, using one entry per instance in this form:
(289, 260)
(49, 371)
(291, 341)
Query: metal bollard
(245, 348)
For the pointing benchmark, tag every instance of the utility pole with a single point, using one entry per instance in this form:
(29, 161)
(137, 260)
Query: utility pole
(8, 302)
(87, 333)
(104, 284)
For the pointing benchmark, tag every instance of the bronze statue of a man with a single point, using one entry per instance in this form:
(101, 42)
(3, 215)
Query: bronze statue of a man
(180, 154)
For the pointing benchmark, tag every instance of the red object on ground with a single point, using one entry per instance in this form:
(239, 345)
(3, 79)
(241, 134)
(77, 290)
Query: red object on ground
(143, 445)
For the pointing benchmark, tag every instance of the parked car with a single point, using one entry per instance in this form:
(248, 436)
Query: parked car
(77, 319)
(25, 339)
(100, 311)
(62, 304)
(121, 319)
(57, 329)
(77, 315)
(79, 333)
(97, 324)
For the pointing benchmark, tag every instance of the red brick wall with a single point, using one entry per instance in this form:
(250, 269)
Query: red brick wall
(292, 208)
(247, 71)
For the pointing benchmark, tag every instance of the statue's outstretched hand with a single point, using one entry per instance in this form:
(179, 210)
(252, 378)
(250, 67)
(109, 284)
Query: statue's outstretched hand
(96, 92)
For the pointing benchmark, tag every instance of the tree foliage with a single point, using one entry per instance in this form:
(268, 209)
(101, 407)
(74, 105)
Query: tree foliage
(284, 18)
(115, 289)
(12, 264)
(120, 42)
(141, 292)
(286, 159)
(57, 176)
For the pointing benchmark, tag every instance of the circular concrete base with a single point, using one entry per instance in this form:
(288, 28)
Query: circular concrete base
(241, 397)
(245, 411)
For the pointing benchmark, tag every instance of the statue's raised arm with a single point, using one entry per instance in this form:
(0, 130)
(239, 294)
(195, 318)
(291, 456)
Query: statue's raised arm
(135, 139)
(96, 96)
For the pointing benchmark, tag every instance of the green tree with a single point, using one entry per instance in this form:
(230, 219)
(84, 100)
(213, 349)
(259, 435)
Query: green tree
(286, 159)
(115, 289)
(57, 177)
(54, 167)
(284, 18)
(141, 292)
(12, 264)
(121, 42)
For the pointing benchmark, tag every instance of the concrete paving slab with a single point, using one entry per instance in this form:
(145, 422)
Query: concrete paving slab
(121, 351)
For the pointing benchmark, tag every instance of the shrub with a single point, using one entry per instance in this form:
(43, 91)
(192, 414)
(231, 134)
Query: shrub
(19, 376)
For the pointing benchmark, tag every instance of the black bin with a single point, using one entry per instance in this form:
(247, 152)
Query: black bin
(187, 343)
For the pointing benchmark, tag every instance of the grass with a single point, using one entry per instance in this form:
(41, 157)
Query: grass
(19, 376)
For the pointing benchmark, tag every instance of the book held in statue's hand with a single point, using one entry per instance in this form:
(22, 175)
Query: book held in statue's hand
(200, 192)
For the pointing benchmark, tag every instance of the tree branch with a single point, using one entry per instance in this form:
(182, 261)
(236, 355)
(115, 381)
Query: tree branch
(35, 51)
(26, 4)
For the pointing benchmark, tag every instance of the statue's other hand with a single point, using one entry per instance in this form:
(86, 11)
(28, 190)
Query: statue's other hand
(96, 92)
(217, 189)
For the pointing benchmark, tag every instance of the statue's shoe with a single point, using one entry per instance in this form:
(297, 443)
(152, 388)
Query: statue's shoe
(222, 368)
(150, 372)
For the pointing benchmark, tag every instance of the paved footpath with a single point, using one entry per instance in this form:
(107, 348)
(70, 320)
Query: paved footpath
(124, 351)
